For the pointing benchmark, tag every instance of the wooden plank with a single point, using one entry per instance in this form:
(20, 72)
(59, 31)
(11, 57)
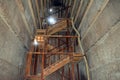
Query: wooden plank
(57, 36)
(77, 57)
(52, 68)
(43, 62)
(57, 27)
(56, 66)
(58, 53)
(73, 71)
(28, 66)
(41, 31)
(28, 63)
(78, 71)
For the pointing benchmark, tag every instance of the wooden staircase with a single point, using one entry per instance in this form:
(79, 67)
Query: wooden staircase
(57, 65)
(67, 57)
(54, 28)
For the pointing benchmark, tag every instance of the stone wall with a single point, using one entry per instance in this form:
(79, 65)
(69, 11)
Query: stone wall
(15, 39)
(102, 41)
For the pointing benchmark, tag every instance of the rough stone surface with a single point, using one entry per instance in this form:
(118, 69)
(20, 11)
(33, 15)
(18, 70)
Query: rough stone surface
(14, 40)
(102, 44)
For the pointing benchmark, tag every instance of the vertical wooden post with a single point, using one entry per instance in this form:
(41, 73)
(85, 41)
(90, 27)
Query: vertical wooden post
(78, 71)
(63, 73)
(42, 74)
(43, 57)
(28, 66)
(59, 44)
(69, 72)
(73, 71)
(29, 60)
(33, 61)
(38, 59)
(35, 64)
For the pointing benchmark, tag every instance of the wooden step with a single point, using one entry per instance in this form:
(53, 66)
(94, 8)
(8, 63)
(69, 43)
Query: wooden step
(57, 27)
(54, 28)
(56, 66)
(77, 57)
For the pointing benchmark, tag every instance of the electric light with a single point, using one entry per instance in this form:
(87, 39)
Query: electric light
(51, 10)
(51, 20)
(35, 42)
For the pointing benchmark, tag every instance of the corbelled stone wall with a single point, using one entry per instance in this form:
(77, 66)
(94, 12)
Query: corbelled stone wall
(101, 41)
(15, 38)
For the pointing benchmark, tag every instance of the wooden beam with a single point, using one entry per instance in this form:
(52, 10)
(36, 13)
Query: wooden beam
(56, 36)
(28, 66)
(42, 73)
(41, 31)
(56, 66)
(73, 71)
(78, 71)
(59, 53)
(63, 73)
(52, 68)
(57, 27)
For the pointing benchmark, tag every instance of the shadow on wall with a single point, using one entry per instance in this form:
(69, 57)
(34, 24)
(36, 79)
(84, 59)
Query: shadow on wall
(83, 77)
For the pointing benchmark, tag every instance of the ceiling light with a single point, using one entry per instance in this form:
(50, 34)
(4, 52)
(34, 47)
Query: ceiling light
(35, 42)
(51, 20)
(51, 10)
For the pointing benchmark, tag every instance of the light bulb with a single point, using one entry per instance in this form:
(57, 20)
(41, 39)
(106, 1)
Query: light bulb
(51, 20)
(35, 42)
(51, 10)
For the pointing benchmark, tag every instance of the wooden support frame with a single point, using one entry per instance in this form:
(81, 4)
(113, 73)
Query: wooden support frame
(29, 60)
(73, 71)
(78, 71)
(56, 36)
(64, 57)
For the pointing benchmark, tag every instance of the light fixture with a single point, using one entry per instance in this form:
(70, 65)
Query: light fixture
(51, 20)
(51, 10)
(35, 42)
(40, 39)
